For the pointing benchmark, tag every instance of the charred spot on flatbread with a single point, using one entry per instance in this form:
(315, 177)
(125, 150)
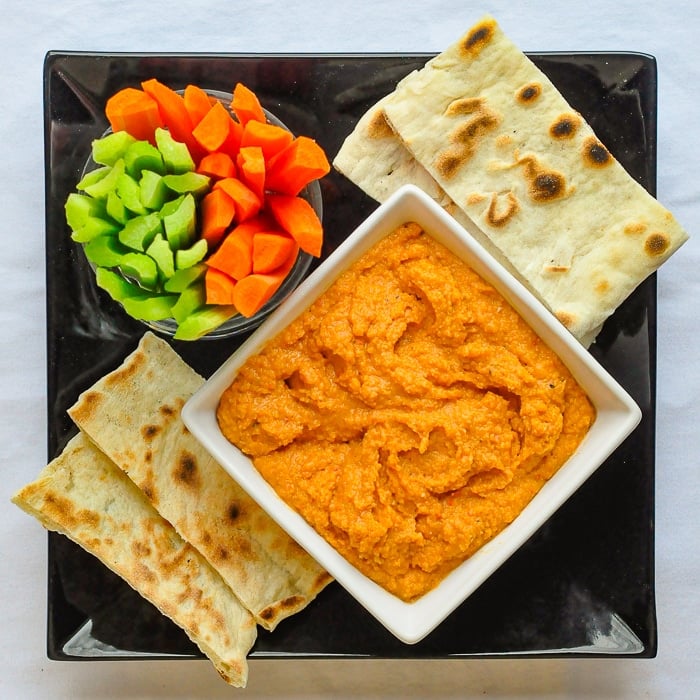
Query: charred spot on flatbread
(501, 212)
(150, 431)
(636, 228)
(528, 94)
(556, 268)
(233, 513)
(566, 318)
(478, 38)
(186, 470)
(656, 244)
(595, 154)
(378, 126)
(464, 105)
(544, 185)
(466, 137)
(565, 126)
(547, 185)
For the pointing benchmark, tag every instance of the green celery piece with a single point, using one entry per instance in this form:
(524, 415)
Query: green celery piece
(139, 232)
(110, 148)
(94, 226)
(141, 156)
(186, 257)
(106, 184)
(184, 278)
(180, 221)
(196, 183)
(129, 193)
(160, 252)
(116, 209)
(152, 190)
(151, 307)
(105, 251)
(191, 299)
(203, 321)
(141, 268)
(93, 176)
(79, 207)
(176, 155)
(117, 286)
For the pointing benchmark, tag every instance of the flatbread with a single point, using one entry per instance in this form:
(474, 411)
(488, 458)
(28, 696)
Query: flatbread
(505, 146)
(133, 416)
(83, 495)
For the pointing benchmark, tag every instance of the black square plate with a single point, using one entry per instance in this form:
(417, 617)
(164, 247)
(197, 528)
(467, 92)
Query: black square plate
(583, 585)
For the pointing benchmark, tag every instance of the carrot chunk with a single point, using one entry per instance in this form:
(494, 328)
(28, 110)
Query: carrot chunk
(246, 106)
(218, 287)
(272, 249)
(173, 113)
(302, 161)
(270, 137)
(212, 132)
(235, 254)
(134, 111)
(298, 218)
(251, 169)
(217, 213)
(247, 202)
(253, 291)
(197, 103)
(217, 165)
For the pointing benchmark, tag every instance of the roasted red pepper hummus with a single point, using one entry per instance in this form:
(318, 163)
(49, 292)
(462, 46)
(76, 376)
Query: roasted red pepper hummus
(409, 414)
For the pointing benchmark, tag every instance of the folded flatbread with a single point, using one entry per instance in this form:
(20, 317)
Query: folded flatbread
(503, 147)
(85, 496)
(133, 415)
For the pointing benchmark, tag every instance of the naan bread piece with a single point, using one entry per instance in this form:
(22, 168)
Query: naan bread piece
(507, 148)
(85, 496)
(133, 416)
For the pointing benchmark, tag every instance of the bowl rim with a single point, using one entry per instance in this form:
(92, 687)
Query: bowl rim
(617, 415)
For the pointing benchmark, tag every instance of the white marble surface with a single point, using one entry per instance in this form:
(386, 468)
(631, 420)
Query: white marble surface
(668, 30)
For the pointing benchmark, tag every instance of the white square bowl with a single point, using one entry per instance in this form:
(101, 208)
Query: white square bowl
(616, 416)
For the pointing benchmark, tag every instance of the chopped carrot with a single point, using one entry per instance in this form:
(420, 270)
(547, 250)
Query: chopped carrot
(248, 204)
(135, 112)
(218, 287)
(270, 137)
(251, 169)
(173, 113)
(272, 249)
(217, 212)
(197, 103)
(298, 218)
(253, 291)
(246, 106)
(302, 161)
(235, 254)
(217, 165)
(213, 131)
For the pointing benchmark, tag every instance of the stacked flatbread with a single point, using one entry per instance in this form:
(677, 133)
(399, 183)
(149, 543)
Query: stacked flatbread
(483, 131)
(138, 491)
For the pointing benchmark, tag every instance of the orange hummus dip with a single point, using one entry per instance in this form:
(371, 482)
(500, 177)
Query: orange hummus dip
(408, 415)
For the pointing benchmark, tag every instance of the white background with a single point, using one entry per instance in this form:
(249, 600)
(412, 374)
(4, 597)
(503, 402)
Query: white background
(668, 30)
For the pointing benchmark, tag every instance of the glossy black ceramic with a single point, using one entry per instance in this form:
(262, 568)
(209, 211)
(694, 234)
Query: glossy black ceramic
(582, 585)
